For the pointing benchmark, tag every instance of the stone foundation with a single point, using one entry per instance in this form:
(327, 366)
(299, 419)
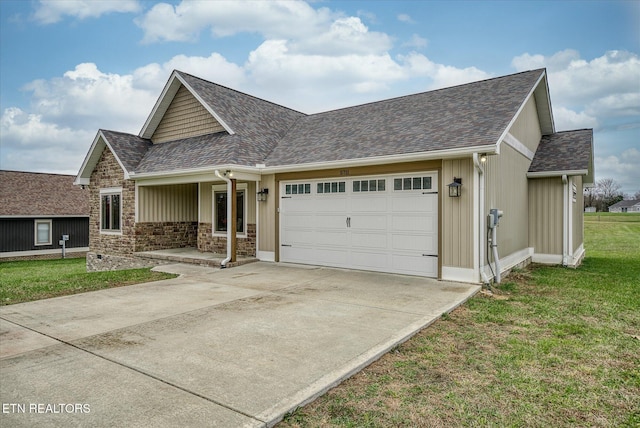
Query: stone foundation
(165, 235)
(207, 242)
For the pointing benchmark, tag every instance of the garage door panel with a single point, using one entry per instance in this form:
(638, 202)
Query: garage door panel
(412, 203)
(414, 223)
(332, 238)
(414, 243)
(374, 222)
(331, 256)
(370, 260)
(418, 265)
(296, 221)
(329, 221)
(369, 203)
(369, 240)
(325, 204)
(299, 236)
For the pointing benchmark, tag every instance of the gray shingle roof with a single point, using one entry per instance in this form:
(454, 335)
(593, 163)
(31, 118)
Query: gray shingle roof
(130, 149)
(459, 117)
(564, 151)
(40, 194)
(464, 116)
(626, 203)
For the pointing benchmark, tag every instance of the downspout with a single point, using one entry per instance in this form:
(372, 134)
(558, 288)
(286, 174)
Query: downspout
(223, 263)
(565, 219)
(481, 219)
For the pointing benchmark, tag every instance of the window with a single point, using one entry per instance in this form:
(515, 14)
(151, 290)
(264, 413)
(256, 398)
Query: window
(220, 209)
(332, 187)
(43, 232)
(110, 210)
(369, 185)
(412, 183)
(297, 189)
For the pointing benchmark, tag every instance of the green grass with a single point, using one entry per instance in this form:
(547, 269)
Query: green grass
(553, 347)
(612, 217)
(24, 281)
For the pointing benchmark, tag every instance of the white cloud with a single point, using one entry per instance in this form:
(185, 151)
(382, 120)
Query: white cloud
(416, 42)
(440, 75)
(272, 19)
(622, 168)
(52, 11)
(566, 119)
(403, 17)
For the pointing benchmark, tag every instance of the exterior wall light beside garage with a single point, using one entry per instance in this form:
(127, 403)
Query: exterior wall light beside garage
(262, 195)
(455, 187)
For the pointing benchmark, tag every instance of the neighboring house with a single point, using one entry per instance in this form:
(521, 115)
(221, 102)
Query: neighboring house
(364, 187)
(629, 205)
(36, 210)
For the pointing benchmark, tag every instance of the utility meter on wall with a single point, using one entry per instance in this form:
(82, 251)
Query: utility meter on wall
(494, 217)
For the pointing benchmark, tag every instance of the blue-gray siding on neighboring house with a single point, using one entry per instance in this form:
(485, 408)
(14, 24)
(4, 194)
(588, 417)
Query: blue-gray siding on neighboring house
(17, 234)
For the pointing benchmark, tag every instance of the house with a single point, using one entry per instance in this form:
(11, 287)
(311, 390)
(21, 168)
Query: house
(628, 205)
(410, 185)
(36, 210)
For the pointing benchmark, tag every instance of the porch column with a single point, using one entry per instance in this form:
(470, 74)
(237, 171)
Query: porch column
(234, 220)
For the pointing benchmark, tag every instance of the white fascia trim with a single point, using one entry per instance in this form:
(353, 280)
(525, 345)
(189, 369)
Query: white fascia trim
(547, 259)
(547, 174)
(266, 256)
(169, 87)
(80, 180)
(206, 106)
(514, 143)
(458, 274)
(193, 175)
(40, 252)
(410, 157)
(524, 103)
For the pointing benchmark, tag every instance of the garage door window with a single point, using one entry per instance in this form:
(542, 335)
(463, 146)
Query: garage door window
(369, 186)
(298, 189)
(332, 187)
(412, 183)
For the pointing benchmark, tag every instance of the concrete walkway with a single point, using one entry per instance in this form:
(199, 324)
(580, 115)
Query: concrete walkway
(227, 348)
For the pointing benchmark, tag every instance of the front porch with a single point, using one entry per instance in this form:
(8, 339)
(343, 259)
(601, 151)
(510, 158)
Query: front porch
(191, 255)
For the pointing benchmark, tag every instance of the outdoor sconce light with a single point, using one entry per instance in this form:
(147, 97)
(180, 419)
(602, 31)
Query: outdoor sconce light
(262, 195)
(455, 187)
(228, 173)
(483, 157)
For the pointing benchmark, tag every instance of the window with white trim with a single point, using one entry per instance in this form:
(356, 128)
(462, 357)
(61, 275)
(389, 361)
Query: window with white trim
(110, 210)
(42, 231)
(220, 209)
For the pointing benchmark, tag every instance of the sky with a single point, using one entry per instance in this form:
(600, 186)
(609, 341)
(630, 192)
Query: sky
(69, 68)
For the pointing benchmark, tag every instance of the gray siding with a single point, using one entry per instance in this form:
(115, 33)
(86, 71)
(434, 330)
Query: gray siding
(457, 215)
(545, 210)
(178, 202)
(17, 234)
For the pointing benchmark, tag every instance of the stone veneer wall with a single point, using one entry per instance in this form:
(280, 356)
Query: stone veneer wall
(165, 235)
(218, 244)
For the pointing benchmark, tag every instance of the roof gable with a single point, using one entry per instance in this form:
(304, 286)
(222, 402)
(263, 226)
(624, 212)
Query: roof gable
(35, 194)
(185, 117)
(567, 152)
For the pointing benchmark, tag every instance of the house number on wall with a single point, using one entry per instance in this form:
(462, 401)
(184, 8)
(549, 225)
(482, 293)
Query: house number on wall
(344, 172)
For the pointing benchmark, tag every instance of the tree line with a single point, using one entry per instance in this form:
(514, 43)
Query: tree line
(605, 193)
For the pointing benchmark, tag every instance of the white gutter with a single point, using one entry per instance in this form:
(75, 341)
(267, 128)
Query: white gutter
(223, 264)
(565, 219)
(482, 227)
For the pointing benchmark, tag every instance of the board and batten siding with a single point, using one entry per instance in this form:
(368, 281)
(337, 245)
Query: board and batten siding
(545, 212)
(267, 213)
(178, 202)
(457, 215)
(18, 234)
(526, 128)
(506, 189)
(576, 212)
(184, 118)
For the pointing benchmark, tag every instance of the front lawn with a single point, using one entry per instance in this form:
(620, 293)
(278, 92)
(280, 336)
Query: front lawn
(23, 281)
(554, 347)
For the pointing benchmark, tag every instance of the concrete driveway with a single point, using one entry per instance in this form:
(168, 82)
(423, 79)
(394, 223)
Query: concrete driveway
(234, 347)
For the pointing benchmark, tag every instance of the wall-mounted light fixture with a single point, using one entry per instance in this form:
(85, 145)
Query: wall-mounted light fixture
(455, 187)
(262, 195)
(483, 157)
(228, 173)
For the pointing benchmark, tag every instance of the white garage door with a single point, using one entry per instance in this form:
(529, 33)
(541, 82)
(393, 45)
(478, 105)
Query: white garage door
(379, 223)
